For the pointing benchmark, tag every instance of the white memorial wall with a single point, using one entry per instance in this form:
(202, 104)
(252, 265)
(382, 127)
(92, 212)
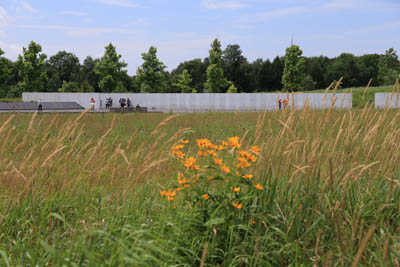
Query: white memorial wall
(200, 102)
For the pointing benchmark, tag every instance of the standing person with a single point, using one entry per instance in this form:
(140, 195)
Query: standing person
(92, 102)
(280, 103)
(128, 102)
(40, 107)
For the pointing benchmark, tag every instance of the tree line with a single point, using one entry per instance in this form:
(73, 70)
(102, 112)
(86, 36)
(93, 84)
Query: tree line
(222, 71)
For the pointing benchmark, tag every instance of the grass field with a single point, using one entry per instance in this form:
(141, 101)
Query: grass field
(296, 188)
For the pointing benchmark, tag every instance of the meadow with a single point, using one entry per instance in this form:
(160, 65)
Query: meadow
(290, 188)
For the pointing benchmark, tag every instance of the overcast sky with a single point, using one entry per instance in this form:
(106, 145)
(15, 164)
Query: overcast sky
(183, 29)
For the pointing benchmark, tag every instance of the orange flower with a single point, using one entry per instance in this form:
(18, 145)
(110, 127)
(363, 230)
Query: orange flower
(236, 189)
(237, 205)
(184, 141)
(170, 194)
(206, 196)
(225, 169)
(191, 163)
(259, 187)
(201, 153)
(212, 153)
(182, 188)
(178, 147)
(183, 181)
(253, 221)
(178, 154)
(224, 143)
(203, 143)
(248, 176)
(247, 156)
(218, 161)
(255, 149)
(234, 142)
(243, 163)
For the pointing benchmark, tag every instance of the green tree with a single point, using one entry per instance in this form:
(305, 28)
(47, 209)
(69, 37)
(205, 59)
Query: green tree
(197, 70)
(63, 66)
(68, 87)
(88, 73)
(151, 75)
(32, 69)
(216, 82)
(389, 67)
(345, 65)
(110, 69)
(294, 71)
(4, 74)
(236, 68)
(232, 89)
(184, 82)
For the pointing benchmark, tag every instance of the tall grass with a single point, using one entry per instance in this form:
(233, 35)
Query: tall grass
(85, 190)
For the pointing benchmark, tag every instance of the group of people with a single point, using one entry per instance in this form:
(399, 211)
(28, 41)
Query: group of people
(122, 102)
(284, 102)
(125, 102)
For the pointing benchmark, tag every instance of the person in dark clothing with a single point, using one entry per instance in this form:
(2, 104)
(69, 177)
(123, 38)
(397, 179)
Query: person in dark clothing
(128, 102)
(40, 107)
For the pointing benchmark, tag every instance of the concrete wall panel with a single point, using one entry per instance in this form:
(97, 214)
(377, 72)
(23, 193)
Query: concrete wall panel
(383, 100)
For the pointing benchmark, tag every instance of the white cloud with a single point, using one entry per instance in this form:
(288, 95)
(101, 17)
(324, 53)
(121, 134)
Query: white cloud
(4, 18)
(11, 50)
(213, 4)
(27, 7)
(74, 13)
(122, 3)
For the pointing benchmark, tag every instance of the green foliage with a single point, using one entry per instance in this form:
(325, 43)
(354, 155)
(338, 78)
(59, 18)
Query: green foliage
(151, 75)
(32, 69)
(345, 66)
(110, 70)
(197, 70)
(184, 82)
(62, 67)
(4, 74)
(232, 89)
(216, 82)
(389, 68)
(69, 87)
(294, 72)
(236, 68)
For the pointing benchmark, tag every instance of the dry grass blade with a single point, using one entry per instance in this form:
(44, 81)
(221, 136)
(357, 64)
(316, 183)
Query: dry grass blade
(203, 256)
(366, 88)
(52, 155)
(161, 124)
(82, 115)
(361, 249)
(5, 124)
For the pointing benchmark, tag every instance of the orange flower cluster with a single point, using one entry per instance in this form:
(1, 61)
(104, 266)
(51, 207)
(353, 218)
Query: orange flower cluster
(176, 150)
(245, 159)
(255, 149)
(170, 194)
(234, 142)
(190, 163)
(225, 169)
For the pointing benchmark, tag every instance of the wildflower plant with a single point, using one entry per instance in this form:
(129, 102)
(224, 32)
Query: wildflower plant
(218, 182)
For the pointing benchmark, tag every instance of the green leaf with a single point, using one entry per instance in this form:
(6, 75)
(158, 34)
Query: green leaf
(215, 221)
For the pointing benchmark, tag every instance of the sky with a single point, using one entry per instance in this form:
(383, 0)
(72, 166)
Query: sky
(184, 29)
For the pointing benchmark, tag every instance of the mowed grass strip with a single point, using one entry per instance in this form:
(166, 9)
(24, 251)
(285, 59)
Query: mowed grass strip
(88, 192)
